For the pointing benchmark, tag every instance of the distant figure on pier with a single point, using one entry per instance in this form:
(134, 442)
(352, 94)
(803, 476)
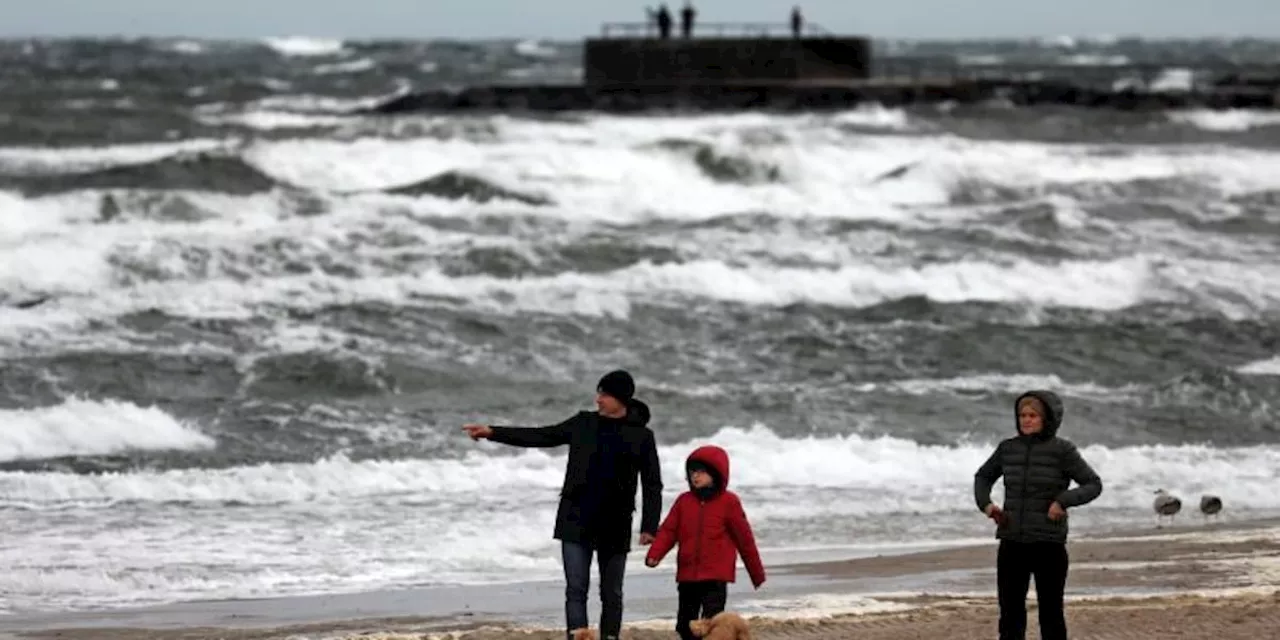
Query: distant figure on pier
(797, 21)
(664, 22)
(687, 14)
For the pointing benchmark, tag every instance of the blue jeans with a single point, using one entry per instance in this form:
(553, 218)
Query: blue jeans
(577, 578)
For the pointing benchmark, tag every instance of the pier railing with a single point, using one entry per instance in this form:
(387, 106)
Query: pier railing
(710, 29)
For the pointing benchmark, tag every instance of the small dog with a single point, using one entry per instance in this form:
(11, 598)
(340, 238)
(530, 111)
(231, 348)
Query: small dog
(725, 625)
(585, 633)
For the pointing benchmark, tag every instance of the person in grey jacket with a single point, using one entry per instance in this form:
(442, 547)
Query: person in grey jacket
(1038, 468)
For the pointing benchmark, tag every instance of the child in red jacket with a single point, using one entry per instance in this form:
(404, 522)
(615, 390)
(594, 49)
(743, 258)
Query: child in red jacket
(712, 530)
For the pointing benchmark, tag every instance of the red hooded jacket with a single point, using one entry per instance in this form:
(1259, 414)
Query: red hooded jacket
(712, 531)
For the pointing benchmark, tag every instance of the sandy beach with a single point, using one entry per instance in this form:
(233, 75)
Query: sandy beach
(1200, 581)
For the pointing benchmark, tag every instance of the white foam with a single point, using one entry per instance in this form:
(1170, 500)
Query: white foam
(811, 608)
(79, 427)
(1094, 60)
(305, 47)
(885, 475)
(303, 111)
(534, 49)
(1230, 287)
(47, 159)
(1006, 382)
(609, 166)
(1096, 285)
(1227, 119)
(51, 247)
(876, 117)
(1269, 367)
(819, 606)
(611, 169)
(203, 554)
(186, 47)
(1174, 79)
(419, 521)
(21, 217)
(266, 120)
(358, 65)
(966, 384)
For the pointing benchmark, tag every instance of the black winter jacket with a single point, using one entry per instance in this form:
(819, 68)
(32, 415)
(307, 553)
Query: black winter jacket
(1038, 471)
(611, 451)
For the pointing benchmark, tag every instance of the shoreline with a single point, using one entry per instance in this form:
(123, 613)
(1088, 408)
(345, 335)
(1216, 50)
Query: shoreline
(1233, 566)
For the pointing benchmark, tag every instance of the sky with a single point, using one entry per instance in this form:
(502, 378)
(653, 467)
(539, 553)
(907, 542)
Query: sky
(574, 19)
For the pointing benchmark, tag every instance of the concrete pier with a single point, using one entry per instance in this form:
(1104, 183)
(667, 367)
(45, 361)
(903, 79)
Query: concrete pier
(764, 66)
(613, 63)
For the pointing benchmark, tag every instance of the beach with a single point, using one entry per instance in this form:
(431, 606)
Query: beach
(1191, 581)
(242, 321)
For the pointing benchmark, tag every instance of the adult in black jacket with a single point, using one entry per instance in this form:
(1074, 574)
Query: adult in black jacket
(1038, 468)
(608, 449)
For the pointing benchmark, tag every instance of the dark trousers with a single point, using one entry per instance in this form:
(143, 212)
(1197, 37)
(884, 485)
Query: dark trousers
(1016, 562)
(577, 579)
(699, 600)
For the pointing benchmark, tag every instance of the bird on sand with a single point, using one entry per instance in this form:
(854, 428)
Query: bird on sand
(1210, 506)
(1165, 505)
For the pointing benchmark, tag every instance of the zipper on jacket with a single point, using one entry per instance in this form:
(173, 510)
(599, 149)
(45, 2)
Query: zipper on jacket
(1026, 475)
(697, 545)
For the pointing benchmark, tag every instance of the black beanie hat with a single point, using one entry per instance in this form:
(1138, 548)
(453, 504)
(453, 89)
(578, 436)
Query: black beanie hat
(617, 384)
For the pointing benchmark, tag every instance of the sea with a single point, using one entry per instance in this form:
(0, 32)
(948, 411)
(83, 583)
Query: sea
(241, 324)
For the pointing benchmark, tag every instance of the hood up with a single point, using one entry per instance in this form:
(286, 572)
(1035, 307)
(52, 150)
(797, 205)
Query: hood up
(717, 462)
(1053, 411)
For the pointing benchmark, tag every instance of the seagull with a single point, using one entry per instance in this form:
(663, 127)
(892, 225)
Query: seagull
(1165, 505)
(1210, 505)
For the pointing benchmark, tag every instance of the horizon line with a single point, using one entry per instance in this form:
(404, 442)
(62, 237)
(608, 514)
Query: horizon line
(1097, 38)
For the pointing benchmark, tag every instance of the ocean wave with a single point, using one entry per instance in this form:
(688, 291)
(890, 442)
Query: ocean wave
(79, 427)
(632, 168)
(879, 475)
(197, 290)
(390, 523)
(1268, 367)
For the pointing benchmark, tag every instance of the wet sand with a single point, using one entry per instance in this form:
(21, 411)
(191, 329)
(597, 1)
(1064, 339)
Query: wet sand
(1217, 581)
(1158, 561)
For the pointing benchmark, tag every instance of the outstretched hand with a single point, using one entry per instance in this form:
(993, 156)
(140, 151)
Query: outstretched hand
(650, 562)
(646, 539)
(478, 431)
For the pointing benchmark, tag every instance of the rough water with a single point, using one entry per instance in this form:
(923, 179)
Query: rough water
(240, 327)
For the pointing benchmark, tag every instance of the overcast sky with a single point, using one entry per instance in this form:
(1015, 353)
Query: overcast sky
(572, 19)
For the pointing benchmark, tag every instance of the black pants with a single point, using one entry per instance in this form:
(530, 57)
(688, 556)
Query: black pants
(1016, 562)
(699, 600)
(577, 581)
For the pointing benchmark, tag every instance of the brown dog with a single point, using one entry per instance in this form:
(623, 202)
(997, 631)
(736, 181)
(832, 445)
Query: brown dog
(725, 625)
(585, 633)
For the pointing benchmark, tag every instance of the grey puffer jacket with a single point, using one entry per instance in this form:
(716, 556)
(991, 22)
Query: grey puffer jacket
(1038, 470)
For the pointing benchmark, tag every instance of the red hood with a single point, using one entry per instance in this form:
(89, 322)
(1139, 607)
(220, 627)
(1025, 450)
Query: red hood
(717, 459)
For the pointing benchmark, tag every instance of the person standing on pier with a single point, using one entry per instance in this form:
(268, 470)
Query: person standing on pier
(664, 21)
(687, 15)
(797, 21)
